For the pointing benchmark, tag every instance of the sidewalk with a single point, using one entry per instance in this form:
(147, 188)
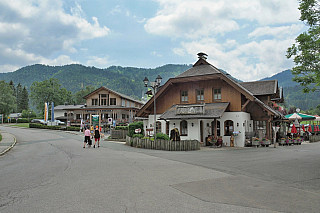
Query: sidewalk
(8, 142)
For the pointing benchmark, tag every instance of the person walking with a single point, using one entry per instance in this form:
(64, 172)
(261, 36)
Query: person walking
(91, 130)
(96, 137)
(86, 138)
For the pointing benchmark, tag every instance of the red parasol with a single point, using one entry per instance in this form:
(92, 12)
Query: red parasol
(293, 129)
(310, 129)
(316, 127)
(303, 128)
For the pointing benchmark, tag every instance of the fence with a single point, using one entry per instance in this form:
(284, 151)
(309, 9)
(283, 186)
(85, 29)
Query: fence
(185, 145)
(314, 138)
(119, 134)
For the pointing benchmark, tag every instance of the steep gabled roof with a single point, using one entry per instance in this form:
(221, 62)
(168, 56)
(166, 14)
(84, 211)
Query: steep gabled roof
(114, 92)
(261, 87)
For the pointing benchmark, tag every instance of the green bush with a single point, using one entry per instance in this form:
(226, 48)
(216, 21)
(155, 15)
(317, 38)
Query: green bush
(0, 137)
(121, 128)
(23, 120)
(162, 136)
(135, 125)
(73, 128)
(137, 135)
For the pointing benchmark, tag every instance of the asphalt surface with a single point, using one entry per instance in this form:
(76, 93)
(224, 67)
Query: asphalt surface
(49, 171)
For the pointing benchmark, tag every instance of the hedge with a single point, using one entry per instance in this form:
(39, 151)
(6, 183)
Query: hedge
(41, 126)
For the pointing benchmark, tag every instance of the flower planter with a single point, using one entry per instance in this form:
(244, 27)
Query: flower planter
(282, 142)
(290, 142)
(297, 141)
(256, 143)
(265, 143)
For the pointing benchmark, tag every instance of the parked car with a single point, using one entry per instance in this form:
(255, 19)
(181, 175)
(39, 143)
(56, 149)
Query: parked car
(60, 122)
(39, 121)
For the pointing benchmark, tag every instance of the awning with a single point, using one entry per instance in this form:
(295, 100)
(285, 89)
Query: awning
(195, 111)
(300, 117)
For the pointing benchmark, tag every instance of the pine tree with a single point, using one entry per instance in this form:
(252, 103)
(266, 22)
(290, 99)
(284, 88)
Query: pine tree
(24, 105)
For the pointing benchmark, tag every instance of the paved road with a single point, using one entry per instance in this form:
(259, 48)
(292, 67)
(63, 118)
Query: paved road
(49, 171)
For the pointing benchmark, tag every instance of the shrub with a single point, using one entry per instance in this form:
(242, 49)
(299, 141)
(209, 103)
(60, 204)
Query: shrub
(162, 136)
(23, 120)
(137, 135)
(0, 137)
(121, 128)
(135, 125)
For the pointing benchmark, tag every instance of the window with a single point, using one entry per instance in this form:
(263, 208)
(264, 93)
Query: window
(94, 102)
(123, 116)
(217, 94)
(158, 127)
(184, 128)
(228, 127)
(184, 96)
(113, 101)
(128, 103)
(123, 102)
(103, 100)
(260, 126)
(200, 95)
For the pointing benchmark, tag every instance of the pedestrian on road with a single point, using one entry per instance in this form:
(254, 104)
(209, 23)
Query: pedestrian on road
(91, 130)
(86, 138)
(96, 137)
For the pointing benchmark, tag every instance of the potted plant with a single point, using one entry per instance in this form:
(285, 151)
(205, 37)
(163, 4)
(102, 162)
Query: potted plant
(256, 142)
(282, 141)
(265, 142)
(290, 142)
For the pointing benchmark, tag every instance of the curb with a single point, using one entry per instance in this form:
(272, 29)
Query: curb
(10, 147)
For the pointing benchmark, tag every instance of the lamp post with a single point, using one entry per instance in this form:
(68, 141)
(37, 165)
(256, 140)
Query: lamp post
(154, 85)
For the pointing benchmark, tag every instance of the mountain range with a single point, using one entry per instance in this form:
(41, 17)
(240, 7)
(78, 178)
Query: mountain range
(128, 80)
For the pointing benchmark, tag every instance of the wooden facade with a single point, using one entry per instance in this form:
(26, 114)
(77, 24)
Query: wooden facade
(204, 84)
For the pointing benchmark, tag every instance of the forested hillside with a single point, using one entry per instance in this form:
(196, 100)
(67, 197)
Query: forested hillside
(126, 80)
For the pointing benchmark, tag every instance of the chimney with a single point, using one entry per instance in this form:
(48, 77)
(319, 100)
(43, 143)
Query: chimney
(202, 55)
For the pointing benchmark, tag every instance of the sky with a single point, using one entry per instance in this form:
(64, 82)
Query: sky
(246, 38)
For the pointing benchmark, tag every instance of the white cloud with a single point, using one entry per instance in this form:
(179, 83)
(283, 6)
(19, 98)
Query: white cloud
(278, 32)
(247, 62)
(194, 19)
(33, 31)
(101, 62)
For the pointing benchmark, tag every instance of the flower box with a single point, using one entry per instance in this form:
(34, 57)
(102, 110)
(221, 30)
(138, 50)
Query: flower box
(256, 143)
(282, 142)
(265, 142)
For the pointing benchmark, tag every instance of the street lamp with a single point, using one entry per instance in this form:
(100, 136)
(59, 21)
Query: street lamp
(154, 85)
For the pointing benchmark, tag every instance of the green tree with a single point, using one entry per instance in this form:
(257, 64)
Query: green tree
(7, 99)
(306, 52)
(19, 97)
(28, 114)
(48, 91)
(78, 96)
(24, 105)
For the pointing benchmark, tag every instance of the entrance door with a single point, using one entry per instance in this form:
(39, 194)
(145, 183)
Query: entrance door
(201, 131)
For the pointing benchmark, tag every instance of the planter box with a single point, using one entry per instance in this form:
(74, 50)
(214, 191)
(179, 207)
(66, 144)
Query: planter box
(297, 142)
(282, 142)
(256, 143)
(290, 142)
(265, 143)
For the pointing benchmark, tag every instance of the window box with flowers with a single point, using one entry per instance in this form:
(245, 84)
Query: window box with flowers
(256, 142)
(265, 142)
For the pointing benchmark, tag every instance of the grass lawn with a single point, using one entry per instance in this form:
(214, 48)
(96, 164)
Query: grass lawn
(21, 125)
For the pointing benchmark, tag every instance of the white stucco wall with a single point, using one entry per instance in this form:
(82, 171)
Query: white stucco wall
(241, 123)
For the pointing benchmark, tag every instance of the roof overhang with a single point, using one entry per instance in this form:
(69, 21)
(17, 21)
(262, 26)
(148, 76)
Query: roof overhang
(195, 111)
